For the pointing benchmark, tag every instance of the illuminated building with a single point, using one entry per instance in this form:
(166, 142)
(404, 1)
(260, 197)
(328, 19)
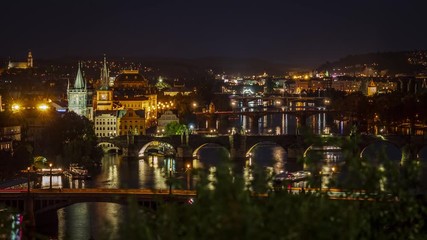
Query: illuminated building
(22, 65)
(132, 122)
(372, 88)
(177, 90)
(348, 86)
(130, 79)
(165, 119)
(147, 103)
(77, 95)
(105, 123)
(104, 95)
(9, 134)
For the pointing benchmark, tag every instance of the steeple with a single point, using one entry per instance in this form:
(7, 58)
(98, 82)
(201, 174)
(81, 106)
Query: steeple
(30, 59)
(79, 83)
(104, 75)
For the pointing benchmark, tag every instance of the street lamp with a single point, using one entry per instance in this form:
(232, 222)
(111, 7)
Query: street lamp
(170, 178)
(28, 182)
(187, 170)
(50, 166)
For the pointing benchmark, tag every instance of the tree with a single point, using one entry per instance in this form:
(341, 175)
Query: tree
(225, 208)
(174, 128)
(71, 137)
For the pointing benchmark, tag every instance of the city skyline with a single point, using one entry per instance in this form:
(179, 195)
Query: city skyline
(306, 34)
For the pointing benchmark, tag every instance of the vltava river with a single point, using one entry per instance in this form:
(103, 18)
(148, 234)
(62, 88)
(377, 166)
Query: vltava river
(103, 220)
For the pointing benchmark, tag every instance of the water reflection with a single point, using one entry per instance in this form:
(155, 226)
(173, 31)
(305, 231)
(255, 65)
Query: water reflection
(324, 161)
(86, 220)
(210, 155)
(267, 155)
(278, 124)
(102, 220)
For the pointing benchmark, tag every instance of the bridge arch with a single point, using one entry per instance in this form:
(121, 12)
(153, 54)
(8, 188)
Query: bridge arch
(267, 154)
(328, 152)
(323, 159)
(422, 154)
(107, 146)
(220, 152)
(156, 148)
(380, 151)
(259, 144)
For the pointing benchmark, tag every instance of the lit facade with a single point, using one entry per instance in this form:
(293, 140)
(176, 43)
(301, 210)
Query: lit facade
(165, 119)
(132, 122)
(22, 65)
(104, 95)
(77, 95)
(105, 123)
(372, 88)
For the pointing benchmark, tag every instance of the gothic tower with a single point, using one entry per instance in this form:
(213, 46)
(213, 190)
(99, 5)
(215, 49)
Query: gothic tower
(77, 95)
(104, 95)
(30, 59)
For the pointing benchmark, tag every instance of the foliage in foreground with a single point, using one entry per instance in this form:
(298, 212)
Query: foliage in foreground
(391, 206)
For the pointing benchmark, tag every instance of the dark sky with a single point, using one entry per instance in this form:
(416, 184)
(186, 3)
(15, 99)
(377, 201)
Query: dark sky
(296, 32)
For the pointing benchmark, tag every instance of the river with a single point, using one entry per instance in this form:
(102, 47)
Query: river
(102, 220)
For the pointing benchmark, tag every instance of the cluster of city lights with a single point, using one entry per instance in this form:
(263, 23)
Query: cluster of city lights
(16, 107)
(161, 106)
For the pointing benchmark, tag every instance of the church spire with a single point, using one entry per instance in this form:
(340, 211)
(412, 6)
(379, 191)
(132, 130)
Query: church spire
(79, 83)
(104, 75)
(30, 59)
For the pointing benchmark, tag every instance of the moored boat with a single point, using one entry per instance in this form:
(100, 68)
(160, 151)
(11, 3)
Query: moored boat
(78, 172)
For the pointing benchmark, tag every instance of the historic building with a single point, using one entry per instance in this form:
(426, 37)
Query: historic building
(132, 122)
(22, 65)
(165, 119)
(104, 95)
(372, 88)
(105, 123)
(77, 95)
(130, 79)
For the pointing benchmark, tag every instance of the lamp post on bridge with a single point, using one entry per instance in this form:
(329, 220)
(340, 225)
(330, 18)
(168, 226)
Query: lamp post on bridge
(28, 180)
(187, 170)
(170, 178)
(50, 182)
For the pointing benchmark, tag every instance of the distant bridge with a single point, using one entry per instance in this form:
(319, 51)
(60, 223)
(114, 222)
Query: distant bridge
(43, 204)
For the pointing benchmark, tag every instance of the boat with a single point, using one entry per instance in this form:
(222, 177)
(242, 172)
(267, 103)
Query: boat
(78, 172)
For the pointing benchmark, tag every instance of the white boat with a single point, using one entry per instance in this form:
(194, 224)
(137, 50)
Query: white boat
(78, 172)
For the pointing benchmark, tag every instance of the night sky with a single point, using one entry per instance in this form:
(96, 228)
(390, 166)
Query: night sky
(297, 32)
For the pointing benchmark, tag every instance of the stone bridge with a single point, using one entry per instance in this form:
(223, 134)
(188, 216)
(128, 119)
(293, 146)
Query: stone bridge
(43, 203)
(239, 145)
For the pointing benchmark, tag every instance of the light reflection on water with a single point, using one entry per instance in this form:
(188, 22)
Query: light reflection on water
(86, 220)
(267, 155)
(101, 220)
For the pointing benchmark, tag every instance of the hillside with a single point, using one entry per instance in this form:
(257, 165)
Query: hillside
(388, 63)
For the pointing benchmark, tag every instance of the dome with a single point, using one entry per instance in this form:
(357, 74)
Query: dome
(130, 79)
